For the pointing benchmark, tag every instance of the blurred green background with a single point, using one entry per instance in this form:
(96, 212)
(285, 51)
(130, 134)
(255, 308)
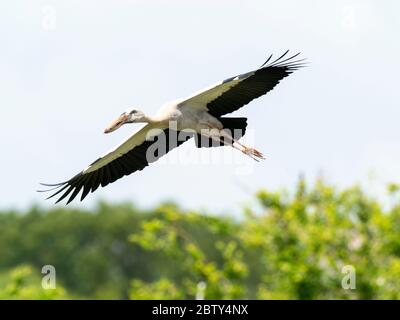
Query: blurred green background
(285, 245)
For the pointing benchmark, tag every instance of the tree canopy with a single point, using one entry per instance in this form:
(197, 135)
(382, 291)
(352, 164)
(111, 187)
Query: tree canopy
(286, 245)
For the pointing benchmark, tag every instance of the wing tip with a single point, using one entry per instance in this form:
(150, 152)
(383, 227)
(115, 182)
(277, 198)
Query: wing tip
(72, 183)
(290, 63)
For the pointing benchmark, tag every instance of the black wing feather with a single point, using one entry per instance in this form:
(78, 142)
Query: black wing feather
(262, 81)
(126, 164)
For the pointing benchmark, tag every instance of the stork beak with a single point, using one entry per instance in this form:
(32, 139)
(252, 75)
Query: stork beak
(116, 123)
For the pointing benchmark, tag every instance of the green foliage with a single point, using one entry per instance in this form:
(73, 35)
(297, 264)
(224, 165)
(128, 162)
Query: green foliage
(287, 245)
(158, 290)
(23, 283)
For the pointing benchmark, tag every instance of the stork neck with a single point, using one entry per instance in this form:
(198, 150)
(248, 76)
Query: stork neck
(150, 119)
(156, 119)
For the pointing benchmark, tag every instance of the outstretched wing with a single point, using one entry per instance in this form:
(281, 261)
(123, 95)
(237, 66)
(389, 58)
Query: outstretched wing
(144, 147)
(235, 92)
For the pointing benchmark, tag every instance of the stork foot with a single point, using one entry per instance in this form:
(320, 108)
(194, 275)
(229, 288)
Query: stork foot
(253, 153)
(249, 151)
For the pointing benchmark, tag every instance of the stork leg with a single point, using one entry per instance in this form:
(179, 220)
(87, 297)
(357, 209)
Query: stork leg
(249, 151)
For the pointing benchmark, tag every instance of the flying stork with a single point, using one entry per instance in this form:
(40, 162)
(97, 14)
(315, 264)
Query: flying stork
(199, 115)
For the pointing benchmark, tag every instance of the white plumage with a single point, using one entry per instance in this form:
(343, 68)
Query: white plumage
(199, 115)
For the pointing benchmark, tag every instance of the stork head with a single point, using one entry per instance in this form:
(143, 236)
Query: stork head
(130, 116)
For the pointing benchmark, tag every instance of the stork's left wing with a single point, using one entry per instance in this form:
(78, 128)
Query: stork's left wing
(134, 154)
(235, 92)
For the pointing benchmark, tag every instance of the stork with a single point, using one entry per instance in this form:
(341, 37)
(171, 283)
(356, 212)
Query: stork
(200, 115)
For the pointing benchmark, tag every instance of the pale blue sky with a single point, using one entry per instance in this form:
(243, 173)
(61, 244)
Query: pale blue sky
(63, 79)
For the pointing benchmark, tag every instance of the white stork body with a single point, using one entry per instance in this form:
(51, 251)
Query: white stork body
(199, 115)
